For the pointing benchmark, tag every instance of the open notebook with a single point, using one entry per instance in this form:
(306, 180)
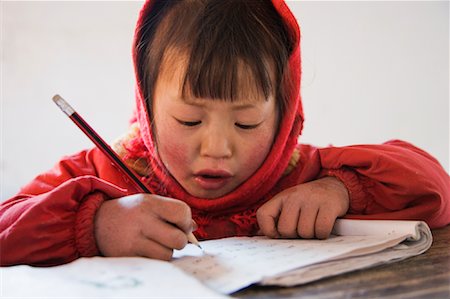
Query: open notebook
(226, 265)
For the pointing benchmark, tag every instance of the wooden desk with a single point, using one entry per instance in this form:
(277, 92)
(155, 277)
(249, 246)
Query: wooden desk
(423, 276)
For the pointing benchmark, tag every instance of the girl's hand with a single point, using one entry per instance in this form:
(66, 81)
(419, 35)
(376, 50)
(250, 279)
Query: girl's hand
(307, 210)
(142, 225)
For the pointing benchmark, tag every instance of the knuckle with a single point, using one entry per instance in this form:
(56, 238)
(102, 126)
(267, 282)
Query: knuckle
(181, 210)
(186, 211)
(145, 203)
(184, 218)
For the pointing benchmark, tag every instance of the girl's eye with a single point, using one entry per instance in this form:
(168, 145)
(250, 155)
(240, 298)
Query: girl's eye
(189, 123)
(246, 127)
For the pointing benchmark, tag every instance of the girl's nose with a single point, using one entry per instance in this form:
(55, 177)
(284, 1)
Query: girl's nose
(216, 144)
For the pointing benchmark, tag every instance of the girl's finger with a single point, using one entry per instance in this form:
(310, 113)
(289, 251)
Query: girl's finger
(267, 217)
(173, 211)
(307, 221)
(150, 249)
(324, 223)
(288, 220)
(166, 234)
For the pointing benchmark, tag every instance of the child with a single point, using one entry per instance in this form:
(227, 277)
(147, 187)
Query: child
(214, 138)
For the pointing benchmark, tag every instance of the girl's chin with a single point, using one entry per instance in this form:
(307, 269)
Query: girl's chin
(208, 194)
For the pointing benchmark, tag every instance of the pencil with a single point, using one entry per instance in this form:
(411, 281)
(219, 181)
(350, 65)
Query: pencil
(107, 150)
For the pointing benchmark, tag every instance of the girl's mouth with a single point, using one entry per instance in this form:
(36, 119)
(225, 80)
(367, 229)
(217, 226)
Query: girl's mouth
(212, 179)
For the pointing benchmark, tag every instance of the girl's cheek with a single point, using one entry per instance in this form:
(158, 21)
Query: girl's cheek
(256, 153)
(173, 152)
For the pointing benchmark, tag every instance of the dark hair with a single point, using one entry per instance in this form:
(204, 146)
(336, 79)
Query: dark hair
(219, 38)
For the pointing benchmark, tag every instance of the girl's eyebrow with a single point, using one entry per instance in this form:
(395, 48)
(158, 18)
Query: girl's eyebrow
(244, 107)
(200, 104)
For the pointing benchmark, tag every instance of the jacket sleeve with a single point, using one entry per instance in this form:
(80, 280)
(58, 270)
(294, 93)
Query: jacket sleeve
(51, 220)
(394, 180)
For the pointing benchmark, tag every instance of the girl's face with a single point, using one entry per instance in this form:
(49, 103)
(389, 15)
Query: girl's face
(211, 146)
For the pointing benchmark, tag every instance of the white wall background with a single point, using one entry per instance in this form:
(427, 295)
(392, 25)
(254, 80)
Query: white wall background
(372, 71)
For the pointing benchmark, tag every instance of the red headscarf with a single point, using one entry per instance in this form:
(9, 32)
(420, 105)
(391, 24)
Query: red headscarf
(252, 193)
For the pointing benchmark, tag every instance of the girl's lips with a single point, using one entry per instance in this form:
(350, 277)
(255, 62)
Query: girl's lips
(212, 179)
(211, 183)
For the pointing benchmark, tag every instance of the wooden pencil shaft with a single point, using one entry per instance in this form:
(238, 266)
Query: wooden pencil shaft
(106, 149)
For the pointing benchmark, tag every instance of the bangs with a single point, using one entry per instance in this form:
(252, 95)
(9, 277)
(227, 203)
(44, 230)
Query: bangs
(227, 54)
(231, 50)
(227, 79)
(232, 81)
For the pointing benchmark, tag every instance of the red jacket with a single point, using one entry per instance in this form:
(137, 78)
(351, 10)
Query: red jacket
(51, 220)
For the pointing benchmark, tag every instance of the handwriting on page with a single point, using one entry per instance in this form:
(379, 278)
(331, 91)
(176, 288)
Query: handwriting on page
(229, 263)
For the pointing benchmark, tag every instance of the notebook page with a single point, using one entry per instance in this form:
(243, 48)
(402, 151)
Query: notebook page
(332, 268)
(102, 278)
(230, 264)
